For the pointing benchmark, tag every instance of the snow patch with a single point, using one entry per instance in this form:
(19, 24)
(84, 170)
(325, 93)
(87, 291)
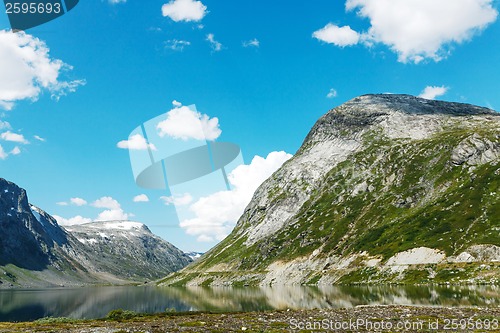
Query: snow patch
(90, 240)
(123, 225)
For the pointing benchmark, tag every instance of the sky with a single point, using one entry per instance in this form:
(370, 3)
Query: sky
(257, 74)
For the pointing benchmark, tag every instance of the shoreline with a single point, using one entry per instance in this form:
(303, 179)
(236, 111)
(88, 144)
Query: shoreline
(364, 318)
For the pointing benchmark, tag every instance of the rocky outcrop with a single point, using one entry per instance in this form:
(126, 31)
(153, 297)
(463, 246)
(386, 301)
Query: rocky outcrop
(385, 188)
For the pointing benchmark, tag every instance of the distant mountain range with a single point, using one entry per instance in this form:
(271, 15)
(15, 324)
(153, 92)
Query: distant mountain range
(384, 189)
(35, 251)
(194, 255)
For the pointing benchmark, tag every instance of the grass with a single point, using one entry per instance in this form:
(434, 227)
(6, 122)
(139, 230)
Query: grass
(429, 203)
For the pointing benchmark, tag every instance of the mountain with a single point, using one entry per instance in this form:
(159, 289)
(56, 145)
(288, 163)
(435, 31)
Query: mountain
(384, 189)
(128, 250)
(36, 252)
(194, 255)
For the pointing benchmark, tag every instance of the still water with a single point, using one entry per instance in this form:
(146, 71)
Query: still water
(96, 302)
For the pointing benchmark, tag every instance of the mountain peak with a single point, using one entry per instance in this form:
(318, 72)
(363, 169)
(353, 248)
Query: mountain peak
(381, 183)
(415, 105)
(397, 116)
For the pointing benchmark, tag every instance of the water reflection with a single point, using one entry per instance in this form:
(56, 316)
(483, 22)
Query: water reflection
(95, 302)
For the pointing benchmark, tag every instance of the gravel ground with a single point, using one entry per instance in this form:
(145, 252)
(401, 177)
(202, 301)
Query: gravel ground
(359, 319)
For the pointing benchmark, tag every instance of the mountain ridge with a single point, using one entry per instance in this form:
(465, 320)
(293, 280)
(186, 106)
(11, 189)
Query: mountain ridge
(36, 252)
(379, 183)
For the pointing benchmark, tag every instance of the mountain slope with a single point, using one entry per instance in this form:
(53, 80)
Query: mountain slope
(36, 252)
(385, 188)
(128, 250)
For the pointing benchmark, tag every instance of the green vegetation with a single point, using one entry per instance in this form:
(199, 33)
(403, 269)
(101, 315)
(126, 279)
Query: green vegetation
(393, 196)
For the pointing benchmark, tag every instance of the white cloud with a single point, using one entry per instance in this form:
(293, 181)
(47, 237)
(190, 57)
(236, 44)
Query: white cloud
(253, 42)
(141, 198)
(217, 214)
(15, 151)
(215, 45)
(62, 203)
(422, 29)
(27, 69)
(176, 103)
(431, 92)
(64, 88)
(113, 215)
(71, 221)
(13, 137)
(176, 44)
(184, 123)
(39, 138)
(340, 36)
(106, 202)
(4, 125)
(113, 2)
(135, 142)
(182, 200)
(112, 212)
(184, 10)
(78, 201)
(332, 93)
(3, 154)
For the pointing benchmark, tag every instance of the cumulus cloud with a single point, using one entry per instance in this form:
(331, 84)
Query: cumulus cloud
(184, 123)
(251, 43)
(135, 142)
(78, 201)
(414, 30)
(332, 93)
(215, 45)
(216, 215)
(176, 44)
(27, 70)
(176, 103)
(13, 137)
(184, 10)
(431, 92)
(112, 215)
(112, 212)
(340, 36)
(39, 138)
(182, 200)
(141, 198)
(106, 202)
(71, 221)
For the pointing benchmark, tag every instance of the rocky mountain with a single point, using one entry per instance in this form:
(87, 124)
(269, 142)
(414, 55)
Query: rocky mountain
(128, 250)
(35, 251)
(194, 255)
(385, 188)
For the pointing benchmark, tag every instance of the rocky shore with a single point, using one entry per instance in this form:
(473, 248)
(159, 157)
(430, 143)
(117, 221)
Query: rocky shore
(358, 319)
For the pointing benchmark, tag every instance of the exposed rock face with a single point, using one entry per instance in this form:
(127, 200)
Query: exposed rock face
(35, 251)
(128, 250)
(378, 181)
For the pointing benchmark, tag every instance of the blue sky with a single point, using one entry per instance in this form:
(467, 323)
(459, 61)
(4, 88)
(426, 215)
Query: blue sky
(277, 68)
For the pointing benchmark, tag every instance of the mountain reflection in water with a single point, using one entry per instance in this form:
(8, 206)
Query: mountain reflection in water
(96, 302)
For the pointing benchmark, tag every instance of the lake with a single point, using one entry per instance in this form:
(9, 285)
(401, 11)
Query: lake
(96, 302)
